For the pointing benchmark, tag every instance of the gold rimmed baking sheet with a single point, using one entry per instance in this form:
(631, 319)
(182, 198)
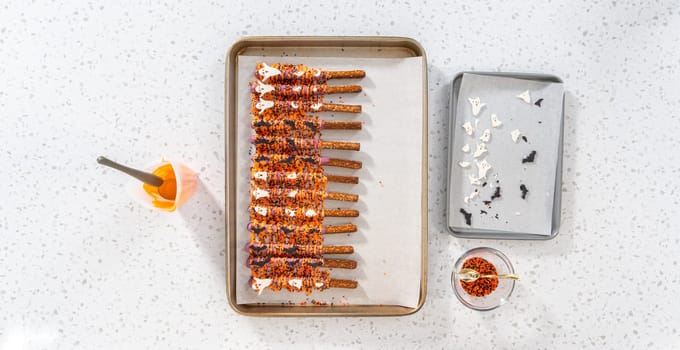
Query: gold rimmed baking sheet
(381, 152)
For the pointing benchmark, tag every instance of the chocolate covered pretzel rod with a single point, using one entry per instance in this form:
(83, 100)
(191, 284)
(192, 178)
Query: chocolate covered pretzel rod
(286, 73)
(293, 162)
(305, 234)
(260, 106)
(293, 250)
(299, 283)
(279, 265)
(299, 145)
(298, 91)
(296, 178)
(284, 194)
(300, 214)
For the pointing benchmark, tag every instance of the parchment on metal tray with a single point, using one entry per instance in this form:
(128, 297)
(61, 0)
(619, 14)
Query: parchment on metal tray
(517, 194)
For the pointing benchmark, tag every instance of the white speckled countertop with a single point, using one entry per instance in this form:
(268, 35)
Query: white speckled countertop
(83, 267)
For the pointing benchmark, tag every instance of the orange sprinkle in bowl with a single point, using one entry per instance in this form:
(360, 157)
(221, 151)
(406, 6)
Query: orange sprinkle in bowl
(492, 294)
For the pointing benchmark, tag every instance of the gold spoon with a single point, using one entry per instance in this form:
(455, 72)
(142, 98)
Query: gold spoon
(471, 275)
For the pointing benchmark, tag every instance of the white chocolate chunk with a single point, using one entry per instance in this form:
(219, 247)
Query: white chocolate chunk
(261, 210)
(515, 135)
(310, 213)
(472, 196)
(481, 149)
(260, 193)
(262, 175)
(297, 88)
(291, 176)
(260, 284)
(483, 167)
(292, 193)
(468, 128)
(295, 282)
(294, 105)
(476, 105)
(299, 73)
(290, 212)
(318, 284)
(263, 105)
(267, 72)
(495, 123)
(316, 106)
(486, 136)
(464, 164)
(466, 148)
(525, 96)
(474, 181)
(262, 88)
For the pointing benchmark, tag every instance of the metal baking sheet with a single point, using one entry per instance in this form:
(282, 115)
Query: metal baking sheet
(511, 224)
(332, 47)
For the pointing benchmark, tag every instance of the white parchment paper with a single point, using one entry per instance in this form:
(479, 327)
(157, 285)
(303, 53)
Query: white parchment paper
(540, 125)
(388, 242)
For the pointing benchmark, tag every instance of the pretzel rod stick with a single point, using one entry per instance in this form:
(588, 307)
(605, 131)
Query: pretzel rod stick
(348, 74)
(341, 163)
(339, 89)
(345, 228)
(341, 213)
(258, 227)
(339, 125)
(343, 179)
(349, 284)
(278, 144)
(278, 72)
(296, 250)
(348, 146)
(293, 162)
(333, 107)
(337, 249)
(289, 91)
(339, 264)
(280, 263)
(339, 196)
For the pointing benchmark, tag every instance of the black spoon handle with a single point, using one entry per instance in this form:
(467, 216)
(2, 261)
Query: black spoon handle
(147, 178)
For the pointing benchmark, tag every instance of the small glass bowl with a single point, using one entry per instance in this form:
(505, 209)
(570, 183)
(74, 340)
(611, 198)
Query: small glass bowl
(505, 286)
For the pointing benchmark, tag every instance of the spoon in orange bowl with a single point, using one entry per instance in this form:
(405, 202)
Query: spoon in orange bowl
(167, 189)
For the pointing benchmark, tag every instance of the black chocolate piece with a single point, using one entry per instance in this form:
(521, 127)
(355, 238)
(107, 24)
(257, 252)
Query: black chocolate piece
(315, 264)
(484, 184)
(287, 230)
(291, 250)
(311, 126)
(289, 122)
(261, 262)
(524, 191)
(483, 212)
(288, 160)
(496, 193)
(262, 140)
(257, 248)
(260, 123)
(468, 216)
(524, 138)
(538, 102)
(257, 229)
(530, 158)
(487, 203)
